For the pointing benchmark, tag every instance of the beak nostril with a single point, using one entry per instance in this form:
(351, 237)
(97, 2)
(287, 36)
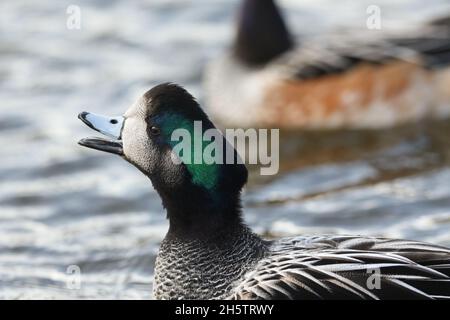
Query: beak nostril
(113, 121)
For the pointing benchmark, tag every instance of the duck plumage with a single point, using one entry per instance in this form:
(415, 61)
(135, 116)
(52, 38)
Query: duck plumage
(348, 267)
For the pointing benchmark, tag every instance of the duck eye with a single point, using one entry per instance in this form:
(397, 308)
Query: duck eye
(154, 130)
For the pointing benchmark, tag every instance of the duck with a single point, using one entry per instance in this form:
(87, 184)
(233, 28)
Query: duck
(210, 253)
(334, 81)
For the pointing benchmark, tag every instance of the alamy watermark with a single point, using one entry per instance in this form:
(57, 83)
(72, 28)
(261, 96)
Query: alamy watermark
(73, 21)
(374, 280)
(73, 281)
(373, 21)
(207, 147)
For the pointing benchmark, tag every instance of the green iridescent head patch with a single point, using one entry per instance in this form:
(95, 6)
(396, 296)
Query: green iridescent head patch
(186, 139)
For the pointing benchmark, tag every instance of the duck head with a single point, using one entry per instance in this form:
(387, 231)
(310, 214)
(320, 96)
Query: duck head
(261, 33)
(199, 197)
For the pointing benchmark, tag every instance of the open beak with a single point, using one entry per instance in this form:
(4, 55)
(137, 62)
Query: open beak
(109, 126)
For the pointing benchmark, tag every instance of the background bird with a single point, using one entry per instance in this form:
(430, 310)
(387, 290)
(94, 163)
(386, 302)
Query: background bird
(347, 79)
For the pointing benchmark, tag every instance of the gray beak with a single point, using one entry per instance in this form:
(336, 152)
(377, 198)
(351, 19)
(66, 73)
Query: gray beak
(109, 126)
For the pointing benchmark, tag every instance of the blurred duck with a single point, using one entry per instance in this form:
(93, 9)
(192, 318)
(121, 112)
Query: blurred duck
(341, 81)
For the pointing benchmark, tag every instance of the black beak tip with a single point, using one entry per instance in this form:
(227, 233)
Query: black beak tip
(82, 142)
(82, 115)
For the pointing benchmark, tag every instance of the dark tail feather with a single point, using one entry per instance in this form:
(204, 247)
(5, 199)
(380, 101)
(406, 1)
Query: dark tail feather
(433, 44)
(443, 21)
(436, 289)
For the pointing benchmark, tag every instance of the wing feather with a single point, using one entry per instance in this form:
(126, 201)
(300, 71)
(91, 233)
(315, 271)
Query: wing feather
(339, 267)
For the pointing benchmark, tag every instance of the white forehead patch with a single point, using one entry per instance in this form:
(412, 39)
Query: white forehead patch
(137, 109)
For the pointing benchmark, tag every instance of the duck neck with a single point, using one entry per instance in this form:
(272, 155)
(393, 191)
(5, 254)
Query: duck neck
(207, 248)
(262, 34)
(192, 264)
(201, 214)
